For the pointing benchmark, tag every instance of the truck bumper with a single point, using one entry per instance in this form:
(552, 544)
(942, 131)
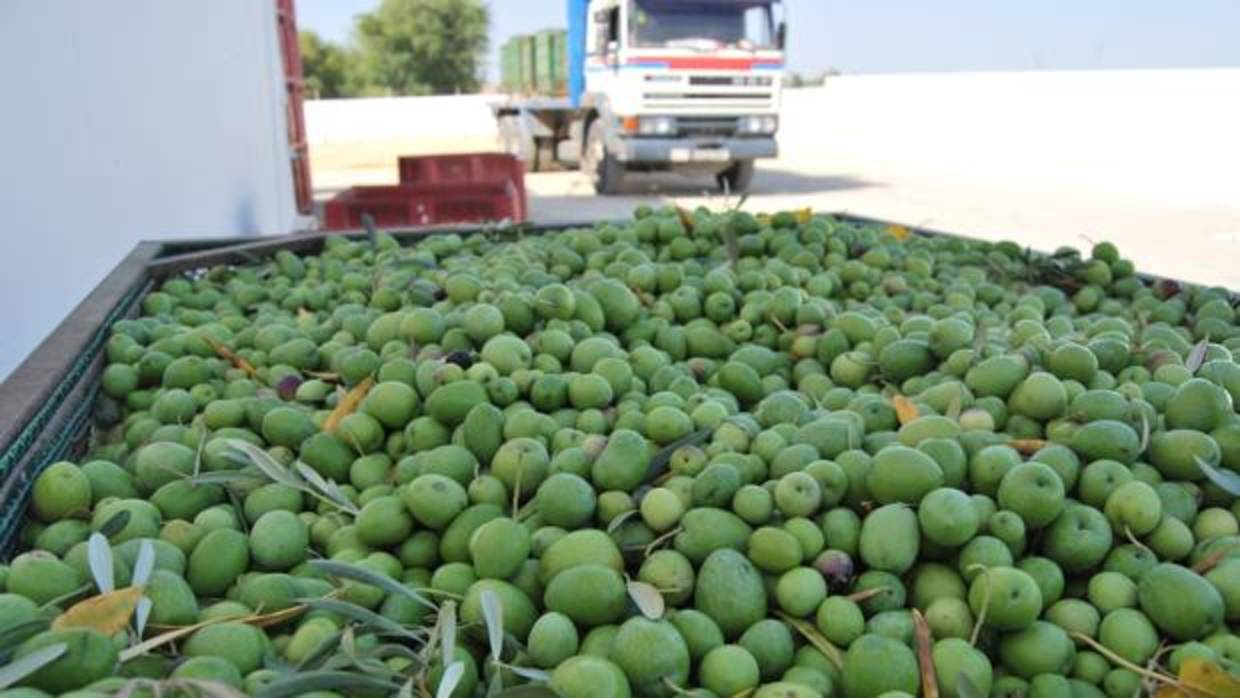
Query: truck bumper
(677, 150)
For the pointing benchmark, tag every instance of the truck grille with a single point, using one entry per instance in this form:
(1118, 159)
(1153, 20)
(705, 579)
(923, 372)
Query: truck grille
(731, 80)
(706, 126)
(655, 96)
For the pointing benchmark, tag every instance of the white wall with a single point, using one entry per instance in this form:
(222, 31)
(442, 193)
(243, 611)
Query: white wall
(383, 119)
(1169, 135)
(127, 120)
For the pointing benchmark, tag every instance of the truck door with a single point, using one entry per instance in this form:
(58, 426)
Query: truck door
(603, 43)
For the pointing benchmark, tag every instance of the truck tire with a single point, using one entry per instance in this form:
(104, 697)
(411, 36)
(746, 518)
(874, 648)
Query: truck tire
(737, 177)
(603, 169)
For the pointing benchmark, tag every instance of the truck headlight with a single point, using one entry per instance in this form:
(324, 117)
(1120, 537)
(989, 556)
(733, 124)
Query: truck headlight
(758, 124)
(657, 125)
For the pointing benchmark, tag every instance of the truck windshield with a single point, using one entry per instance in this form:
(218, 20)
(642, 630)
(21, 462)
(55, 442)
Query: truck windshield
(702, 24)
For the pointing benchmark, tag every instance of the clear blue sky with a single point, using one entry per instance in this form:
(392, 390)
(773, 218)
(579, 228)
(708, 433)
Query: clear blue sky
(882, 36)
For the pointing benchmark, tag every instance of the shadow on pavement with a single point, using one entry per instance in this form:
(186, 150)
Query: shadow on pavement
(577, 202)
(767, 180)
(776, 181)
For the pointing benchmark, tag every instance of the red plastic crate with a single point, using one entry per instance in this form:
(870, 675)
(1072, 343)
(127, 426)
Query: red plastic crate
(405, 205)
(468, 168)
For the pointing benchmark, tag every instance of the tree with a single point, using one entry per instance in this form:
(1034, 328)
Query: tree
(412, 47)
(328, 69)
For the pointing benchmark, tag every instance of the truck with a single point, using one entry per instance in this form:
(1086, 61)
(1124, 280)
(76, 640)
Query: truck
(651, 85)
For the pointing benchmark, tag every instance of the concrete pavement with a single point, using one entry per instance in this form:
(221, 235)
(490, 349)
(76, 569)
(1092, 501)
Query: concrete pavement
(1147, 159)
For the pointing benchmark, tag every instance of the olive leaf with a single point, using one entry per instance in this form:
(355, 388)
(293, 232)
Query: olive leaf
(115, 524)
(493, 614)
(659, 463)
(227, 477)
(99, 559)
(1197, 356)
(980, 336)
(965, 688)
(1226, 479)
(360, 574)
(321, 651)
(532, 675)
(14, 634)
(1145, 433)
(619, 519)
(648, 599)
(956, 406)
(495, 684)
(276, 472)
(809, 632)
(447, 630)
(145, 564)
(142, 614)
(362, 615)
(312, 681)
(451, 677)
(249, 453)
(728, 232)
(327, 487)
(19, 669)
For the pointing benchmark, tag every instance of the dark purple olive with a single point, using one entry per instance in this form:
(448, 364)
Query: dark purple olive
(287, 387)
(836, 567)
(1166, 288)
(463, 359)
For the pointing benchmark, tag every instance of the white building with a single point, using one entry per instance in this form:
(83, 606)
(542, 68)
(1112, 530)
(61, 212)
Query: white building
(127, 120)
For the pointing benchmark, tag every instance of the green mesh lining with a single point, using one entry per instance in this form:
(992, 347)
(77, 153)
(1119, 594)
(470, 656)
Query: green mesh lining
(58, 427)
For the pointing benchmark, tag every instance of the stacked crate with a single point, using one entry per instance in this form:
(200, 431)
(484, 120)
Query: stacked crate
(535, 63)
(551, 64)
(510, 65)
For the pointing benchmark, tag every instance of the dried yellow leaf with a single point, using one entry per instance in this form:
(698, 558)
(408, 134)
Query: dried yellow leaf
(228, 355)
(1204, 679)
(686, 218)
(348, 404)
(899, 232)
(906, 411)
(108, 613)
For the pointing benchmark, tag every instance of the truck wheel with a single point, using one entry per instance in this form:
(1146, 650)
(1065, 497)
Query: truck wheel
(603, 169)
(737, 177)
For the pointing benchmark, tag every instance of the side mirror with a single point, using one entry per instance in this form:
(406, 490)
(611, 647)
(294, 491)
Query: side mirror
(613, 46)
(781, 35)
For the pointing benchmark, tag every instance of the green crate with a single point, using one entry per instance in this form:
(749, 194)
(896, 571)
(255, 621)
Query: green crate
(551, 61)
(561, 50)
(510, 65)
(526, 60)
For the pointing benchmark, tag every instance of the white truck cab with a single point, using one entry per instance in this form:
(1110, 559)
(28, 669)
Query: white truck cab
(661, 84)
